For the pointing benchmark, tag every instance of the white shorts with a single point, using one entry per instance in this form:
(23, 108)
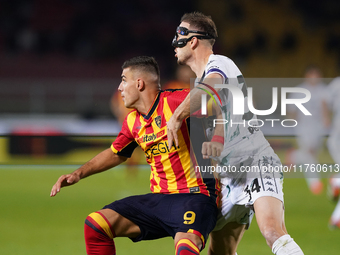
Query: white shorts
(232, 212)
(238, 200)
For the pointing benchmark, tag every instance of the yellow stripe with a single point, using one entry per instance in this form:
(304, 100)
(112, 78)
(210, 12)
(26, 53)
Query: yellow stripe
(102, 222)
(113, 149)
(210, 107)
(131, 120)
(188, 242)
(170, 175)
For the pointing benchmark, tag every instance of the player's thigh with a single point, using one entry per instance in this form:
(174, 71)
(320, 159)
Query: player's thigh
(122, 226)
(226, 240)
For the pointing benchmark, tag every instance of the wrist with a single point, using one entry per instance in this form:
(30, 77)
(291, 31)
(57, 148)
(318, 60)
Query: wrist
(218, 139)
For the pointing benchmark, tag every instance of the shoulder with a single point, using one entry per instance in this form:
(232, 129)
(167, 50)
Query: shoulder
(219, 60)
(222, 65)
(130, 119)
(168, 93)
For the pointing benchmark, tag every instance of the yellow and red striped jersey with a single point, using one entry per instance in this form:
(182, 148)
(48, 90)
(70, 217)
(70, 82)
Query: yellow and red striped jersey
(172, 169)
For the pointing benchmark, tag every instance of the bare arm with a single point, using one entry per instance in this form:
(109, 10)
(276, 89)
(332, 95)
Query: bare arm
(191, 104)
(103, 161)
(214, 148)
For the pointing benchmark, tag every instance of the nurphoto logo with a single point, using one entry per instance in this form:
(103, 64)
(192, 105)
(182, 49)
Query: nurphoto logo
(244, 98)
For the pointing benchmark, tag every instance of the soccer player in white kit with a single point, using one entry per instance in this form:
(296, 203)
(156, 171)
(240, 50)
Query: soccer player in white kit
(333, 143)
(311, 129)
(243, 145)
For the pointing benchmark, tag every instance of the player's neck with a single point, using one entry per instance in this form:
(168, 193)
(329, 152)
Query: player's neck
(146, 101)
(200, 61)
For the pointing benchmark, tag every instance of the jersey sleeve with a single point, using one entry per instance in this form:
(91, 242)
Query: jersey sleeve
(216, 69)
(225, 67)
(125, 143)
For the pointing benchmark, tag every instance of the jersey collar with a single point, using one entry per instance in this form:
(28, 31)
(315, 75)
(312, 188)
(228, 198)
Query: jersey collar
(153, 107)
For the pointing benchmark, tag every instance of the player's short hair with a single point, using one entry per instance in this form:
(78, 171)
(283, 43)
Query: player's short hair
(144, 64)
(201, 22)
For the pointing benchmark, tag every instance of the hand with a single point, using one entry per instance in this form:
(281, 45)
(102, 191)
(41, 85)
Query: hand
(211, 149)
(63, 181)
(173, 125)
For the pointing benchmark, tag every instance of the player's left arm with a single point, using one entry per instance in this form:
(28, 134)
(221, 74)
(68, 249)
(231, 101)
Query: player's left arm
(103, 161)
(191, 104)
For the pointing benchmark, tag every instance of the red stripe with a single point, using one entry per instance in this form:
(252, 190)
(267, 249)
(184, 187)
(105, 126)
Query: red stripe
(163, 183)
(124, 137)
(152, 182)
(213, 90)
(176, 165)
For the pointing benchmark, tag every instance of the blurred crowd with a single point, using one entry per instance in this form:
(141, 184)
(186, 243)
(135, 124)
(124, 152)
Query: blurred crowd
(263, 31)
(87, 39)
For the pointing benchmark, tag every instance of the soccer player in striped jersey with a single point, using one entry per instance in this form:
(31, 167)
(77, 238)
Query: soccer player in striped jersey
(241, 144)
(183, 203)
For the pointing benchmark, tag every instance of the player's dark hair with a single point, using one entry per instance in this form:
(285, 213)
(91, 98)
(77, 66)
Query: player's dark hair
(201, 22)
(143, 63)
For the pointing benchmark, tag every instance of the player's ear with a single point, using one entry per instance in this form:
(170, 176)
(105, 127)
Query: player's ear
(194, 43)
(140, 84)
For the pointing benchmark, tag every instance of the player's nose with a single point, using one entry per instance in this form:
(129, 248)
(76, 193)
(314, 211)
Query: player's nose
(120, 87)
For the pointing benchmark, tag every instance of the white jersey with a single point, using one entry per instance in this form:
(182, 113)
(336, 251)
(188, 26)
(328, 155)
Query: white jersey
(240, 139)
(244, 146)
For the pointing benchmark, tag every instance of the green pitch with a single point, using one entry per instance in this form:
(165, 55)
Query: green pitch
(33, 223)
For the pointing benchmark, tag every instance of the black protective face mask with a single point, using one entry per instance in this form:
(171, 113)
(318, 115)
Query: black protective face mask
(180, 43)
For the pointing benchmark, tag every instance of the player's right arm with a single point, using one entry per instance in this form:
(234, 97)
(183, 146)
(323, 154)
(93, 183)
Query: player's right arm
(103, 161)
(214, 148)
(190, 104)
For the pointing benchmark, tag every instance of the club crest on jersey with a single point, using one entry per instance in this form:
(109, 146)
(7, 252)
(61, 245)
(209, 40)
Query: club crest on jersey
(158, 121)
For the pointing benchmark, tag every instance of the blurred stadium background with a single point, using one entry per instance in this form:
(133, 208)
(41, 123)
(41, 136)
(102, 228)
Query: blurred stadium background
(60, 63)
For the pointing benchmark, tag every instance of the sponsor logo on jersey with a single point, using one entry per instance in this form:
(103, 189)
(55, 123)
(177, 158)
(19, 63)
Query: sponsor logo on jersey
(159, 148)
(150, 137)
(158, 121)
